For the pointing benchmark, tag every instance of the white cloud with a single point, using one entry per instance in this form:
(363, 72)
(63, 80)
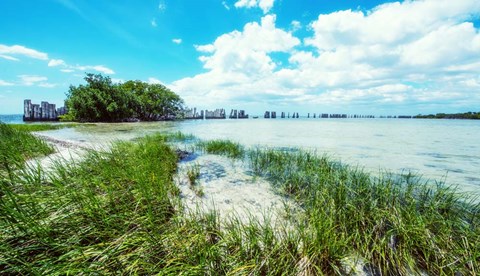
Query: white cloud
(98, 68)
(67, 68)
(47, 85)
(237, 59)
(21, 50)
(446, 45)
(34, 80)
(402, 53)
(177, 40)
(162, 6)
(246, 3)
(56, 62)
(152, 80)
(30, 80)
(5, 83)
(153, 22)
(296, 25)
(247, 52)
(265, 5)
(9, 58)
(225, 5)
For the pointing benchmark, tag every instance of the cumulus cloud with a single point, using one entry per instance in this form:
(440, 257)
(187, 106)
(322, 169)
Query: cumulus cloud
(238, 58)
(402, 53)
(265, 5)
(177, 40)
(246, 52)
(7, 52)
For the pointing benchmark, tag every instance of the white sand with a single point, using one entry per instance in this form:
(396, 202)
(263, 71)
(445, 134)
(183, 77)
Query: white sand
(65, 151)
(230, 190)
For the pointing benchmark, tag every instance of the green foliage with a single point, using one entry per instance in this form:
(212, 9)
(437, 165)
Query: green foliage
(466, 115)
(17, 145)
(101, 100)
(66, 117)
(153, 101)
(223, 147)
(40, 127)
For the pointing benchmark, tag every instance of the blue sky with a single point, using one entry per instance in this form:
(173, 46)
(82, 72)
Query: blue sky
(322, 56)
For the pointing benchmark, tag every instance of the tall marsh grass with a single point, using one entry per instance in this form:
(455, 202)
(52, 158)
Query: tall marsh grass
(119, 212)
(99, 216)
(16, 146)
(398, 225)
(222, 147)
(42, 126)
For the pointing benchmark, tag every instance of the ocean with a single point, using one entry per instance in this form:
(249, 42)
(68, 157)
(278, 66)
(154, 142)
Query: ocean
(12, 118)
(441, 150)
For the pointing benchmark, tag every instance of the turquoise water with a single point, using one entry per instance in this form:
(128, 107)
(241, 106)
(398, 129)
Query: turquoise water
(12, 119)
(435, 149)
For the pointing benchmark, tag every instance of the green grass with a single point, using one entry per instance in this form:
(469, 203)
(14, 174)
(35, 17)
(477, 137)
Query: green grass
(397, 224)
(17, 146)
(119, 212)
(101, 215)
(222, 147)
(41, 127)
(179, 137)
(193, 175)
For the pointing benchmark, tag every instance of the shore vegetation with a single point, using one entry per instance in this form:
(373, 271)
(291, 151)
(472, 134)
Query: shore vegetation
(118, 211)
(101, 100)
(222, 147)
(465, 115)
(18, 145)
(42, 126)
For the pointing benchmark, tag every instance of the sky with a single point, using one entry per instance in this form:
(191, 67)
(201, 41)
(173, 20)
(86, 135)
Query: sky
(317, 56)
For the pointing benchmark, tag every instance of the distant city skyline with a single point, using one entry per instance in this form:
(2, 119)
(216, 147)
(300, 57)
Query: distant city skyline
(354, 57)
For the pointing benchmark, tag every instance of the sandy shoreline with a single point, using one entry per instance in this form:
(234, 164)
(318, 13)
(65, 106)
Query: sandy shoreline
(227, 186)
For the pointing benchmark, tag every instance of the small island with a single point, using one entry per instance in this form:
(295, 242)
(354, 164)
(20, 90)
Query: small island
(466, 115)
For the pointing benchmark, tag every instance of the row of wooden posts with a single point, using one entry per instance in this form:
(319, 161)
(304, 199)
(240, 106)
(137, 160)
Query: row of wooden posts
(273, 115)
(41, 112)
(218, 113)
(240, 114)
(48, 112)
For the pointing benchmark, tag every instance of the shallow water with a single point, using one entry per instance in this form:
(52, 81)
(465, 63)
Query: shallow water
(436, 149)
(228, 187)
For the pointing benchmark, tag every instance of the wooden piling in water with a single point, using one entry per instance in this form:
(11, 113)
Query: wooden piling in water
(41, 112)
